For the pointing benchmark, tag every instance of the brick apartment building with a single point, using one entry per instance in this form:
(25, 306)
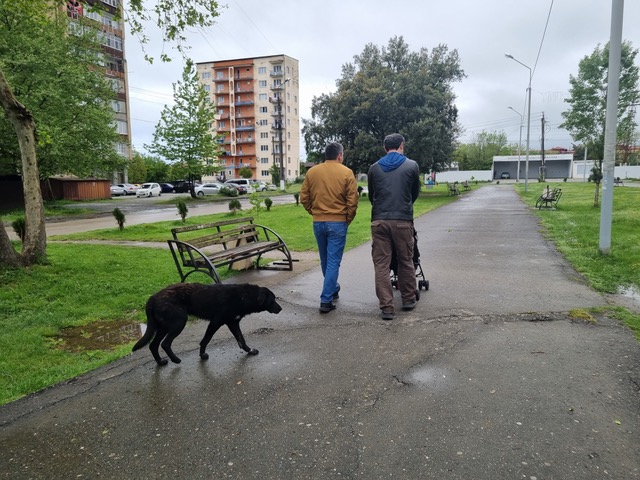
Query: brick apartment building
(258, 114)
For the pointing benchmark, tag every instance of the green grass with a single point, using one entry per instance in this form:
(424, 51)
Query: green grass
(86, 283)
(575, 228)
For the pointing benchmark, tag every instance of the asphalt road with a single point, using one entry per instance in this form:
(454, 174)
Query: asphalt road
(489, 378)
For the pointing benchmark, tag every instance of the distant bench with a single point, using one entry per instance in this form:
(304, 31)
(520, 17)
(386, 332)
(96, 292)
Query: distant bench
(207, 247)
(453, 189)
(617, 182)
(549, 198)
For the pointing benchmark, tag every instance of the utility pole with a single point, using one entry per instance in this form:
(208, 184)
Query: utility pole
(543, 168)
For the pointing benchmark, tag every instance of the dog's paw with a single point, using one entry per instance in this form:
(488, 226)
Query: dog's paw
(204, 356)
(253, 351)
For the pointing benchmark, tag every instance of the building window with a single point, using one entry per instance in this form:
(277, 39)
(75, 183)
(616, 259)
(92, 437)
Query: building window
(264, 160)
(207, 88)
(122, 127)
(206, 75)
(263, 122)
(264, 134)
(222, 124)
(220, 87)
(262, 83)
(220, 100)
(262, 96)
(264, 148)
(262, 70)
(263, 110)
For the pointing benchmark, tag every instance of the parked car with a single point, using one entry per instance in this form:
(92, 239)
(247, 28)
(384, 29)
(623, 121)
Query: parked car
(183, 186)
(166, 188)
(129, 188)
(242, 189)
(149, 190)
(117, 191)
(208, 189)
(263, 187)
(505, 175)
(247, 184)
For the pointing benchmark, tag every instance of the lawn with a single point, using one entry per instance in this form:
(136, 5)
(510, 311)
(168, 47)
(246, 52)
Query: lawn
(88, 288)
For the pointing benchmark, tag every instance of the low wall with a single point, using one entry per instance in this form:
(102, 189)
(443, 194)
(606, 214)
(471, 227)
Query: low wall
(462, 175)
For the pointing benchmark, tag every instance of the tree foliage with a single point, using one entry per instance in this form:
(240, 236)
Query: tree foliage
(478, 155)
(386, 90)
(585, 118)
(54, 77)
(173, 18)
(182, 135)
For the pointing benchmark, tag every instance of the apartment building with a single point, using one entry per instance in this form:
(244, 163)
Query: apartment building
(258, 114)
(111, 27)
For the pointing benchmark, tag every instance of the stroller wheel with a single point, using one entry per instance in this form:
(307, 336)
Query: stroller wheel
(394, 284)
(424, 284)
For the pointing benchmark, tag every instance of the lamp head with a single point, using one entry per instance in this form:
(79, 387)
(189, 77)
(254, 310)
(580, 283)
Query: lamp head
(508, 55)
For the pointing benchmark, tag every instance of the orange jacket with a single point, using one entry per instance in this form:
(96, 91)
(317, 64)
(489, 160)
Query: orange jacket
(329, 192)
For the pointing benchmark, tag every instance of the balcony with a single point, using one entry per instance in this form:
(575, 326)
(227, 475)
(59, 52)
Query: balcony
(244, 102)
(247, 128)
(276, 73)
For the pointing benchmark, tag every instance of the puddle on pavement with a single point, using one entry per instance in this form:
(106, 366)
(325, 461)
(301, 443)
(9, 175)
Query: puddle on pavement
(431, 377)
(103, 335)
(632, 293)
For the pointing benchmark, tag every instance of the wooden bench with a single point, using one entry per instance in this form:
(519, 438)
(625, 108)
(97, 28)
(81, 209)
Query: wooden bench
(452, 188)
(617, 182)
(466, 186)
(207, 247)
(549, 198)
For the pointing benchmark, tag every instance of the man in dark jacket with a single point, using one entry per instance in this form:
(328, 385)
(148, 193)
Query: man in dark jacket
(394, 185)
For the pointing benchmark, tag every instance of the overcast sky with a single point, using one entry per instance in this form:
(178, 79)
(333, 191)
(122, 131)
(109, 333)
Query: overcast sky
(324, 35)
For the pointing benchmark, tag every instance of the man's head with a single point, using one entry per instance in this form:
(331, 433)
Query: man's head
(333, 151)
(395, 141)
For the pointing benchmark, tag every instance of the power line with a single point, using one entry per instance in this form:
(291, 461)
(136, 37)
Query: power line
(542, 40)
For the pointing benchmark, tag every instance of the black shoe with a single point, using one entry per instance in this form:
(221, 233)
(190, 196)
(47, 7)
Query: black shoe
(336, 295)
(387, 315)
(326, 307)
(408, 306)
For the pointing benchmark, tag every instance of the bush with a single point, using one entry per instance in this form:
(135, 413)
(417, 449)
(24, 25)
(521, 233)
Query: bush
(229, 192)
(20, 227)
(267, 203)
(182, 209)
(120, 218)
(234, 205)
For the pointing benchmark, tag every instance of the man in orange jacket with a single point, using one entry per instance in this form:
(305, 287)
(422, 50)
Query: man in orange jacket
(329, 193)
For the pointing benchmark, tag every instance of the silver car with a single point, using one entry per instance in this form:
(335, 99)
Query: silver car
(208, 189)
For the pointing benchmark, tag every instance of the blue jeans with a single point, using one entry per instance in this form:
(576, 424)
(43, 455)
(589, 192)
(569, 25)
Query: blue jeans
(331, 238)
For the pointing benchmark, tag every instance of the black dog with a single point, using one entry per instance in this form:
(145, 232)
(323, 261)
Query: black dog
(168, 310)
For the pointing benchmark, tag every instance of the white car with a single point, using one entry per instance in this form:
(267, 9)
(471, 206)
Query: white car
(149, 190)
(208, 189)
(263, 187)
(117, 191)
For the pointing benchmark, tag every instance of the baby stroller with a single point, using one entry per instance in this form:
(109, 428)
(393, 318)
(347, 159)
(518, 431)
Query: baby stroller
(422, 282)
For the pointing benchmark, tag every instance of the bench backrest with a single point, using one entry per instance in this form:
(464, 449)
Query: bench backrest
(226, 233)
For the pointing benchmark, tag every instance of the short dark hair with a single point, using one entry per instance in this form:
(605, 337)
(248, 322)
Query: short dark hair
(393, 141)
(332, 151)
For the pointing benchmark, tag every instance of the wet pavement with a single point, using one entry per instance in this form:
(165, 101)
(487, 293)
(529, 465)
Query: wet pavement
(489, 377)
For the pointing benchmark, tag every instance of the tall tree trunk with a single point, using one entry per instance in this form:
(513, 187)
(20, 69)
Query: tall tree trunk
(34, 248)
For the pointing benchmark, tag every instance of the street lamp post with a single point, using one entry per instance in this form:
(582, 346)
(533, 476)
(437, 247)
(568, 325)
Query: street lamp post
(519, 141)
(526, 163)
(281, 140)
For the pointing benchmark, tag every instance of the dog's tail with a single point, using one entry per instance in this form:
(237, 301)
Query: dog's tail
(151, 327)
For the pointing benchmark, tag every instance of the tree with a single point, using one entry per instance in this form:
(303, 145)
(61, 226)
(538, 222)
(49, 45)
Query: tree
(386, 90)
(585, 118)
(182, 135)
(479, 154)
(71, 101)
(173, 17)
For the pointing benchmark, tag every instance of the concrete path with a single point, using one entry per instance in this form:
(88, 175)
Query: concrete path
(488, 378)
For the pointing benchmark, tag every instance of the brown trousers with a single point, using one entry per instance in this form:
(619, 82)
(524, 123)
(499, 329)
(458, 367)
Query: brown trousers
(387, 236)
